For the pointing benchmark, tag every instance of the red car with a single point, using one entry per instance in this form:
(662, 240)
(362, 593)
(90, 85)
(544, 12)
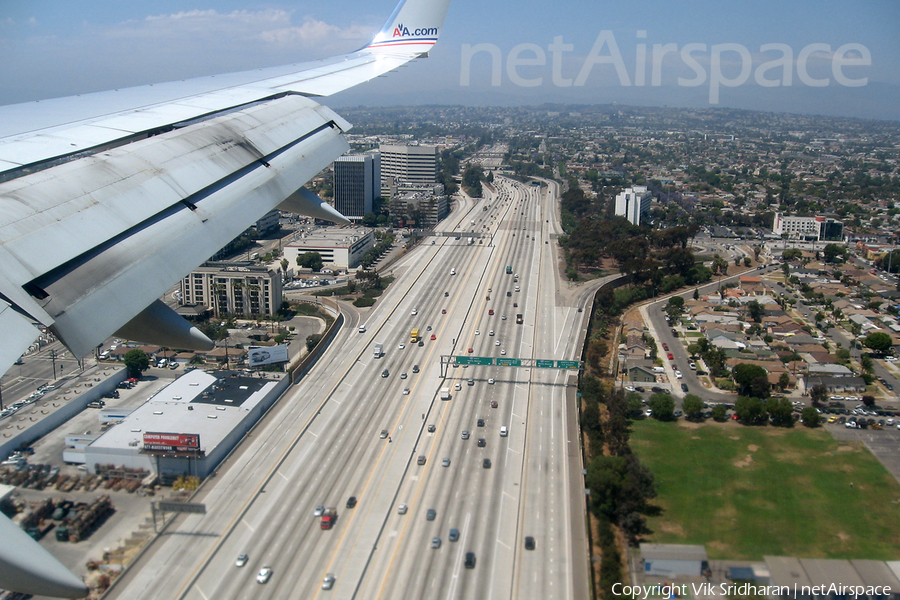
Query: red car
(490, 311)
(666, 347)
(443, 311)
(493, 404)
(670, 356)
(433, 336)
(471, 350)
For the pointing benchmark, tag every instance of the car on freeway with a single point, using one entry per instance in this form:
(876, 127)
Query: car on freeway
(414, 312)
(465, 434)
(443, 311)
(385, 373)
(477, 332)
(481, 442)
(480, 422)
(503, 317)
(384, 433)
(493, 404)
(445, 462)
(403, 375)
(351, 502)
(496, 342)
(433, 337)
(471, 350)
(406, 391)
(421, 459)
(435, 542)
(454, 534)
(319, 510)
(431, 428)
(491, 381)
(529, 542)
(241, 560)
(486, 463)
(328, 582)
(264, 575)
(401, 345)
(430, 515)
(402, 509)
(470, 560)
(503, 353)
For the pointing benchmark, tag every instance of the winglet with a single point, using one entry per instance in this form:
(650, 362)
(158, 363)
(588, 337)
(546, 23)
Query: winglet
(412, 29)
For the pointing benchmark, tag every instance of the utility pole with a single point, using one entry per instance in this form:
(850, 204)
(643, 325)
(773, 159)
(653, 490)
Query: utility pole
(53, 360)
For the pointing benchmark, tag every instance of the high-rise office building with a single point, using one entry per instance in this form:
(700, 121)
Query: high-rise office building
(407, 165)
(633, 203)
(357, 181)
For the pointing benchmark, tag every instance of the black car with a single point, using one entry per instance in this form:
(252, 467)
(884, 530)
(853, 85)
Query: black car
(684, 387)
(351, 502)
(481, 422)
(470, 560)
(481, 442)
(486, 463)
(529, 543)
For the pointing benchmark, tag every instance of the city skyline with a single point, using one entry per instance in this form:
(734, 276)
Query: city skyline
(772, 56)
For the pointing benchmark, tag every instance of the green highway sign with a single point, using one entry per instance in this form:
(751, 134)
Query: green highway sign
(509, 362)
(544, 364)
(474, 360)
(567, 364)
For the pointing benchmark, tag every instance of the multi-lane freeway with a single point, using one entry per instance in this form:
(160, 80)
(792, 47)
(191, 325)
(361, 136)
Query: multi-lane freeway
(322, 443)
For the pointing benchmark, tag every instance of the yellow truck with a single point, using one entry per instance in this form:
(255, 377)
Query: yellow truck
(414, 335)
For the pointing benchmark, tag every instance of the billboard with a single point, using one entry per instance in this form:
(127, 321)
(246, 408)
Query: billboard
(267, 355)
(172, 442)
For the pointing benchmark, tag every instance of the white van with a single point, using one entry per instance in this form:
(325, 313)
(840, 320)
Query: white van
(504, 431)
(658, 370)
(362, 328)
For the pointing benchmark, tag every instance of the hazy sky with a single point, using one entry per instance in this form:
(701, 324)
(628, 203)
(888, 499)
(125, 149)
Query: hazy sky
(836, 57)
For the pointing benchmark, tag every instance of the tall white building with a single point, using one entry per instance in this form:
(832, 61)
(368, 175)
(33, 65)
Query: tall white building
(357, 181)
(633, 203)
(407, 165)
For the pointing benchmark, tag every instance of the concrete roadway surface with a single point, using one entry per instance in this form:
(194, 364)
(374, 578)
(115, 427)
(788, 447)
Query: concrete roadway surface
(321, 445)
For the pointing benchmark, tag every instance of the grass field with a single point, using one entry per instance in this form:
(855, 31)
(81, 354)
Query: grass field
(746, 492)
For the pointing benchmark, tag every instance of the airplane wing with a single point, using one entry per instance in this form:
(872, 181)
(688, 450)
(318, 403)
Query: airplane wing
(108, 199)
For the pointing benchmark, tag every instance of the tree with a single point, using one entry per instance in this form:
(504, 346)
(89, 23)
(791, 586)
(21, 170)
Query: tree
(878, 341)
(792, 254)
(810, 417)
(697, 293)
(310, 260)
(663, 407)
(784, 380)
(833, 251)
(750, 410)
(719, 412)
(756, 310)
(868, 400)
(818, 394)
(692, 406)
(744, 374)
(136, 361)
(781, 411)
(760, 387)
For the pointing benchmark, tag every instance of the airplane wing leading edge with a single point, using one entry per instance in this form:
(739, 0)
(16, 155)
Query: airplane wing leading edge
(108, 199)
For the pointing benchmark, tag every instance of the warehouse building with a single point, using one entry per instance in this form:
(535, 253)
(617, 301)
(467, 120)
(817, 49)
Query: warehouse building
(188, 427)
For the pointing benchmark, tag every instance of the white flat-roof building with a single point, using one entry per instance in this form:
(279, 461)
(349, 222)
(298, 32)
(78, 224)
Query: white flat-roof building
(340, 247)
(808, 228)
(633, 203)
(401, 165)
(215, 409)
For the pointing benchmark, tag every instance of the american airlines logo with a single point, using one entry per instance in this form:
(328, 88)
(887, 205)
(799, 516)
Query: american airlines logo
(402, 31)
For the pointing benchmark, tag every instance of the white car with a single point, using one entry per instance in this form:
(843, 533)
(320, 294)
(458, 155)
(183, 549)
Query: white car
(503, 317)
(241, 560)
(406, 391)
(401, 345)
(629, 388)
(401, 510)
(415, 312)
(319, 510)
(491, 381)
(477, 332)
(497, 343)
(491, 332)
(678, 374)
(503, 352)
(264, 574)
